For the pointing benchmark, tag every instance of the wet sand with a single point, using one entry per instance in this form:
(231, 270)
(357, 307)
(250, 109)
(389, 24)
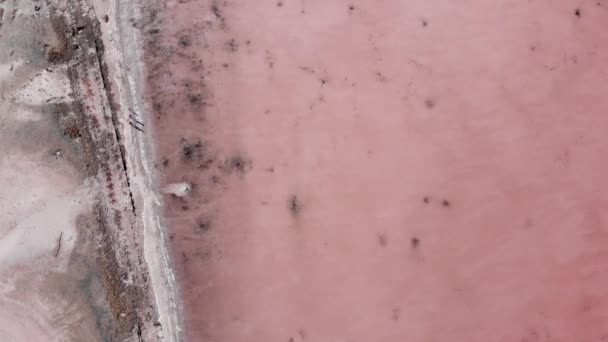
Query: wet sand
(381, 171)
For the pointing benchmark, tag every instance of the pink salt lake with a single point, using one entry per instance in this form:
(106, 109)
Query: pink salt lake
(385, 170)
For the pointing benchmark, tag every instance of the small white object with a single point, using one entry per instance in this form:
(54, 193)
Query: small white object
(178, 189)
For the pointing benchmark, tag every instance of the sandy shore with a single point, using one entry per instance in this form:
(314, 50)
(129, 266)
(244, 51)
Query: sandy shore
(142, 151)
(44, 193)
(75, 206)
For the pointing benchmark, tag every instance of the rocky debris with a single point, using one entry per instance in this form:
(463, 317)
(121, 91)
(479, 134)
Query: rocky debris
(178, 189)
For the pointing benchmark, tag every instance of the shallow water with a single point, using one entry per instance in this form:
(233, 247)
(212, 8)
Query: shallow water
(381, 171)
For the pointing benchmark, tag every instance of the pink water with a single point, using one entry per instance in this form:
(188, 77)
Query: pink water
(386, 170)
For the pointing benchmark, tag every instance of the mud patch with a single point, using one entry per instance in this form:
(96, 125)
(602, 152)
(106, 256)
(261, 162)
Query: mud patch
(60, 51)
(68, 118)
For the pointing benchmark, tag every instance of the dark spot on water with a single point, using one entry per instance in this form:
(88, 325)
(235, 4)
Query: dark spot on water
(237, 164)
(270, 59)
(426, 199)
(574, 60)
(380, 76)
(307, 69)
(217, 12)
(187, 152)
(191, 151)
(445, 203)
(429, 103)
(202, 225)
(415, 242)
(195, 99)
(395, 314)
(280, 4)
(206, 163)
(382, 240)
(294, 205)
(351, 7)
(214, 179)
(232, 45)
(184, 41)
(577, 12)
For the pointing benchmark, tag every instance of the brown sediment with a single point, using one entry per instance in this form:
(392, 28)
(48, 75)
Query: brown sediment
(60, 51)
(96, 150)
(123, 300)
(69, 118)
